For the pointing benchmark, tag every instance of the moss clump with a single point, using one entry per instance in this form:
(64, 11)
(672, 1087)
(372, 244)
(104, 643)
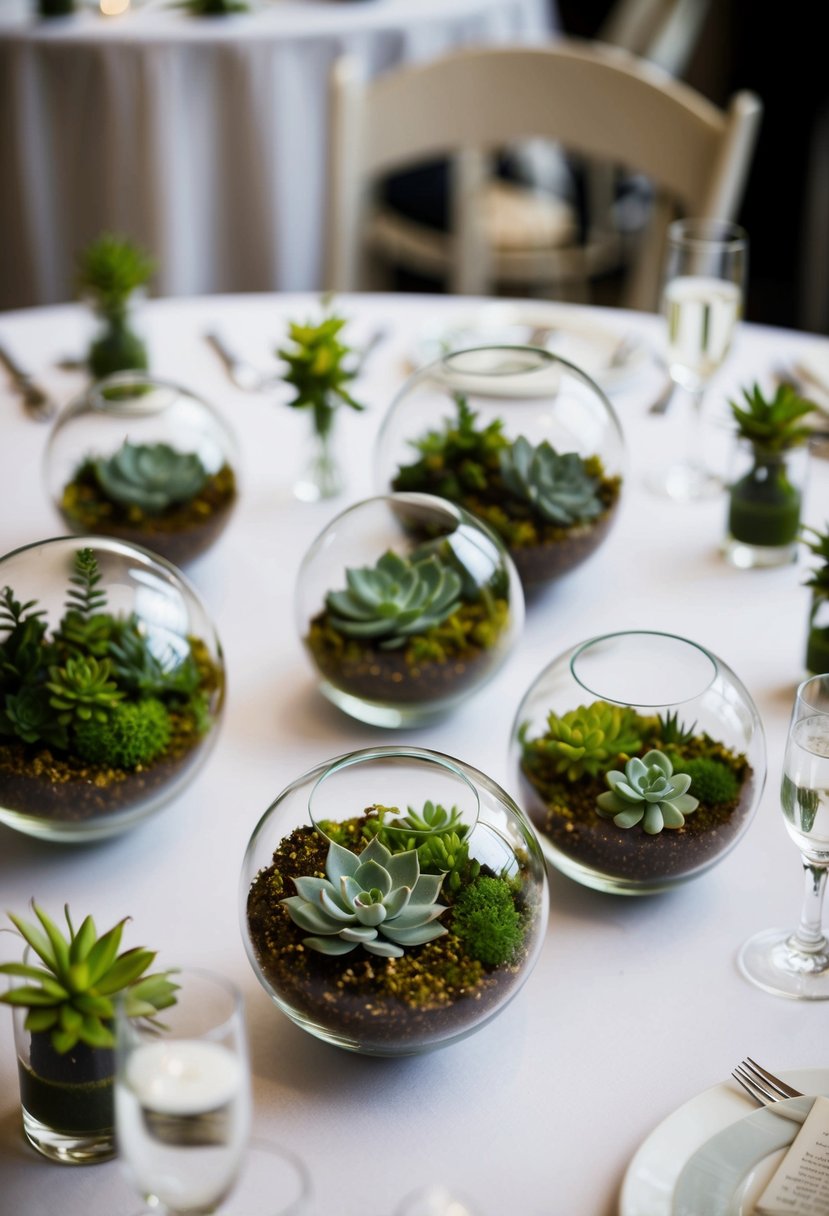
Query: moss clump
(132, 735)
(712, 781)
(487, 922)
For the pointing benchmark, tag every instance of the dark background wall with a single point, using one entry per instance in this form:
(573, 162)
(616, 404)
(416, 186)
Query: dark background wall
(775, 50)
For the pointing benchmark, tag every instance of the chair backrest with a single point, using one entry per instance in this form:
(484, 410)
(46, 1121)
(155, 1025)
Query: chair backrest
(665, 32)
(594, 100)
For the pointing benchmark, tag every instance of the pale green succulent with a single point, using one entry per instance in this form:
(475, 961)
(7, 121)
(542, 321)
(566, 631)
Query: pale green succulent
(69, 989)
(647, 792)
(151, 476)
(394, 599)
(374, 899)
(557, 486)
(587, 739)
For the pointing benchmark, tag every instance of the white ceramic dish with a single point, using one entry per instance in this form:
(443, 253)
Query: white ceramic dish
(595, 348)
(651, 1179)
(728, 1174)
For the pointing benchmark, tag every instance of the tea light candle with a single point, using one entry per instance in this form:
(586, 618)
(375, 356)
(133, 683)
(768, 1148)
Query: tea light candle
(185, 1077)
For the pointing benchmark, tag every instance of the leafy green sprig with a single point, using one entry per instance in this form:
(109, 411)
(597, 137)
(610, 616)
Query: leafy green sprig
(318, 371)
(772, 425)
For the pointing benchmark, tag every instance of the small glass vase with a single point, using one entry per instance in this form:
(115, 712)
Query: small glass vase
(817, 638)
(765, 496)
(612, 701)
(55, 8)
(391, 992)
(118, 346)
(66, 1100)
(322, 476)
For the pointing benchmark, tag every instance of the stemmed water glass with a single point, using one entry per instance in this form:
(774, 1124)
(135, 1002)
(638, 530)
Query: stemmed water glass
(183, 1110)
(782, 961)
(702, 299)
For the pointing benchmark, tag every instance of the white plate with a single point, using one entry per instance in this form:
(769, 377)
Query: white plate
(587, 343)
(729, 1173)
(651, 1178)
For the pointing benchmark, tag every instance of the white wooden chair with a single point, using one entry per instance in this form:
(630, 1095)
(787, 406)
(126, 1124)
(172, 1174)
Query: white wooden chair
(596, 101)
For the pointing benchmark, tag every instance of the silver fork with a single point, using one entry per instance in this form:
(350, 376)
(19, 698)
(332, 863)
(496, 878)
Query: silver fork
(763, 1086)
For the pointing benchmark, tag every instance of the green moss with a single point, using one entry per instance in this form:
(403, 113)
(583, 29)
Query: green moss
(713, 782)
(487, 922)
(131, 735)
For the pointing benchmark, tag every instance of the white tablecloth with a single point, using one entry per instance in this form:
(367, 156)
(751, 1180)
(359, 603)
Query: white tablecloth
(635, 1005)
(204, 140)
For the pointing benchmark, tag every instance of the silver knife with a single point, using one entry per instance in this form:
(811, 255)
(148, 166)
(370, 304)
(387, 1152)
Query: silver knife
(37, 403)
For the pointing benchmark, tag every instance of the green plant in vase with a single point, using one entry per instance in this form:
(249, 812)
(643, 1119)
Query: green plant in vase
(213, 8)
(817, 640)
(69, 982)
(99, 714)
(764, 501)
(55, 8)
(410, 628)
(319, 373)
(110, 270)
(551, 509)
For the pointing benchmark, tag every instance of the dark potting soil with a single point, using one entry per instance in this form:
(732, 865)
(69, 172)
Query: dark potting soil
(36, 782)
(630, 853)
(69, 1093)
(541, 563)
(180, 533)
(387, 676)
(384, 1005)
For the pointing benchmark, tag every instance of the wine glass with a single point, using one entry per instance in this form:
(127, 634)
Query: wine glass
(182, 1096)
(702, 300)
(796, 963)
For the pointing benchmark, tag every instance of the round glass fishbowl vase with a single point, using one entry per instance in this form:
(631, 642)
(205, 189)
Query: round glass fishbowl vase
(522, 439)
(406, 605)
(144, 461)
(640, 759)
(431, 912)
(112, 686)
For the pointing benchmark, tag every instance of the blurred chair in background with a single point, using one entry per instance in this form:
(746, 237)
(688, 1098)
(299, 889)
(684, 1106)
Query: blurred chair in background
(594, 101)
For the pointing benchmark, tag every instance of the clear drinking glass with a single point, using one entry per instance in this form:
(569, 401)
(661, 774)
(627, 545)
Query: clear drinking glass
(782, 961)
(182, 1097)
(702, 300)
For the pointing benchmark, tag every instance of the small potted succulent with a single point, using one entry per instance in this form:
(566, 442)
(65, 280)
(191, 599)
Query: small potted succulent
(817, 640)
(531, 448)
(388, 926)
(110, 270)
(103, 717)
(635, 797)
(766, 487)
(319, 373)
(63, 1008)
(144, 460)
(414, 625)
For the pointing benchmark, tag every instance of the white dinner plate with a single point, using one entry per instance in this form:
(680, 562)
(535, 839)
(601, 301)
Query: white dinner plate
(652, 1176)
(595, 348)
(729, 1173)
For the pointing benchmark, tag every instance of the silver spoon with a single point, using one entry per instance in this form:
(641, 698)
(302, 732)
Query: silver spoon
(36, 402)
(243, 374)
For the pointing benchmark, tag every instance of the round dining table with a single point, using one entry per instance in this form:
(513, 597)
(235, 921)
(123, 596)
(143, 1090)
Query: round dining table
(203, 139)
(589, 1092)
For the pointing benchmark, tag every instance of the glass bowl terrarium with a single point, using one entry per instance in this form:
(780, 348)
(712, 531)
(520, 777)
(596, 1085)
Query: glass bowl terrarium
(393, 900)
(640, 759)
(522, 439)
(144, 461)
(111, 686)
(406, 605)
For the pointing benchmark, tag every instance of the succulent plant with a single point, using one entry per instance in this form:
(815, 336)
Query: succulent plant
(317, 371)
(457, 460)
(374, 899)
(486, 920)
(69, 993)
(587, 739)
(150, 476)
(647, 792)
(85, 627)
(110, 269)
(672, 732)
(819, 546)
(139, 669)
(557, 486)
(82, 688)
(772, 425)
(394, 599)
